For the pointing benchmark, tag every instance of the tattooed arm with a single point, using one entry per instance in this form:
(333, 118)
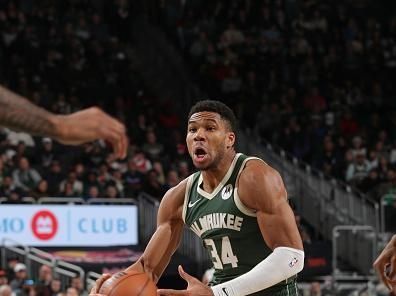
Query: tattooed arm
(18, 113)
(84, 126)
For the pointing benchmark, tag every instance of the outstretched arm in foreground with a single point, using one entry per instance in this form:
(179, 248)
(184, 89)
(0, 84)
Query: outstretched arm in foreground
(84, 126)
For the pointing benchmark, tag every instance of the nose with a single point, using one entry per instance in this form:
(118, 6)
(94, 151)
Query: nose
(199, 135)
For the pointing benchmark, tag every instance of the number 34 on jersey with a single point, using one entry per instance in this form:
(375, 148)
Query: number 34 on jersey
(226, 253)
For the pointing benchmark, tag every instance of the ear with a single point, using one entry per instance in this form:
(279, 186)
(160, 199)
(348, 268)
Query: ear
(230, 139)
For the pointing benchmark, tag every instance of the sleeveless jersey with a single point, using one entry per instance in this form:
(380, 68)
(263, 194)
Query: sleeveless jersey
(228, 228)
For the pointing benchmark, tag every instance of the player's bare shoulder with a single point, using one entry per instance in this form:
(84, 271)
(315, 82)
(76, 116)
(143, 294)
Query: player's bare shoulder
(173, 200)
(259, 183)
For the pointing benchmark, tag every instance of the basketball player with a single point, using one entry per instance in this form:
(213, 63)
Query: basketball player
(237, 205)
(386, 265)
(84, 126)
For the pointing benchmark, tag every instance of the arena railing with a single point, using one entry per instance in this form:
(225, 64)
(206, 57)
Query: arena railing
(356, 241)
(388, 209)
(90, 279)
(323, 201)
(148, 209)
(190, 245)
(34, 258)
(105, 200)
(338, 198)
(13, 249)
(66, 271)
(61, 200)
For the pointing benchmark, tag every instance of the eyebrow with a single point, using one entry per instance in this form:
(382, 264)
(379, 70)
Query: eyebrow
(207, 119)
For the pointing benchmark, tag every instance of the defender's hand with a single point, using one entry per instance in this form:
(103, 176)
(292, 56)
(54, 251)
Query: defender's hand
(386, 265)
(91, 124)
(95, 289)
(195, 287)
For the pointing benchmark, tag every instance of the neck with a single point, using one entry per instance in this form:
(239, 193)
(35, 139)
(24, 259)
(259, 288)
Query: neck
(213, 177)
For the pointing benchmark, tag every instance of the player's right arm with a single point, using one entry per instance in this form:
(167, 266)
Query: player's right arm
(165, 239)
(167, 236)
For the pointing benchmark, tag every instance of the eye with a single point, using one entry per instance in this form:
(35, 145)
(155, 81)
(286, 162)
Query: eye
(211, 128)
(192, 130)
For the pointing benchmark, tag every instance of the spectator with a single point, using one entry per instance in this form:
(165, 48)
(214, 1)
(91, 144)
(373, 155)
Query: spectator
(315, 289)
(55, 287)
(45, 275)
(14, 197)
(71, 291)
(151, 147)
(358, 170)
(71, 186)
(157, 166)
(370, 182)
(93, 192)
(2, 171)
(143, 165)
(3, 277)
(7, 186)
(42, 286)
(54, 177)
(5, 290)
(183, 169)
(232, 36)
(111, 191)
(47, 154)
(25, 177)
(41, 190)
(17, 284)
(133, 179)
(172, 179)
(152, 186)
(11, 263)
(16, 137)
(78, 284)
(116, 179)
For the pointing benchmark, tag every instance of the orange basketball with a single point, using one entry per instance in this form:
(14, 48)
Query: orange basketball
(130, 283)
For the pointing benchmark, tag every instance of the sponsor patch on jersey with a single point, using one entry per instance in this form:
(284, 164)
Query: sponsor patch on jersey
(227, 192)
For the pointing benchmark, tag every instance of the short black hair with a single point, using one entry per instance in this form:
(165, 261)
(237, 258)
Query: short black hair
(218, 107)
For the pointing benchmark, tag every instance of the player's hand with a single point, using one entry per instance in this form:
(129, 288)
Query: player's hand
(195, 287)
(95, 289)
(386, 265)
(92, 124)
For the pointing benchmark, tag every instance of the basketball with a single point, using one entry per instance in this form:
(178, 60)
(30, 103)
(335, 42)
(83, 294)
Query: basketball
(129, 284)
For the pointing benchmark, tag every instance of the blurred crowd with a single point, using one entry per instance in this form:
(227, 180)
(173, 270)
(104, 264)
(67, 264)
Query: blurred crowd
(16, 281)
(314, 77)
(65, 55)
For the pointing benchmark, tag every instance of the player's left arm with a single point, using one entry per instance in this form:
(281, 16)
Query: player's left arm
(261, 188)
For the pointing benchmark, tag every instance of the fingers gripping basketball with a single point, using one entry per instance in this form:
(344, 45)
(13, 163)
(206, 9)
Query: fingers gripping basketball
(128, 284)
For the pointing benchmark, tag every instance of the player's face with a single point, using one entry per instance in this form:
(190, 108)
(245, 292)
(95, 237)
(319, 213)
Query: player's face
(208, 139)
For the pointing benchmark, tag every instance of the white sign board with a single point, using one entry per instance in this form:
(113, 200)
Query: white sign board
(70, 225)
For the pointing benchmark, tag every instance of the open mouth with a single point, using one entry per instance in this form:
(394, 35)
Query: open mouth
(200, 153)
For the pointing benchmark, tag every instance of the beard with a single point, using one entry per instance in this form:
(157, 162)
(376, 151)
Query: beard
(213, 164)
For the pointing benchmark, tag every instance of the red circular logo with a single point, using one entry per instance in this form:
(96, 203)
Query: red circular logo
(44, 225)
